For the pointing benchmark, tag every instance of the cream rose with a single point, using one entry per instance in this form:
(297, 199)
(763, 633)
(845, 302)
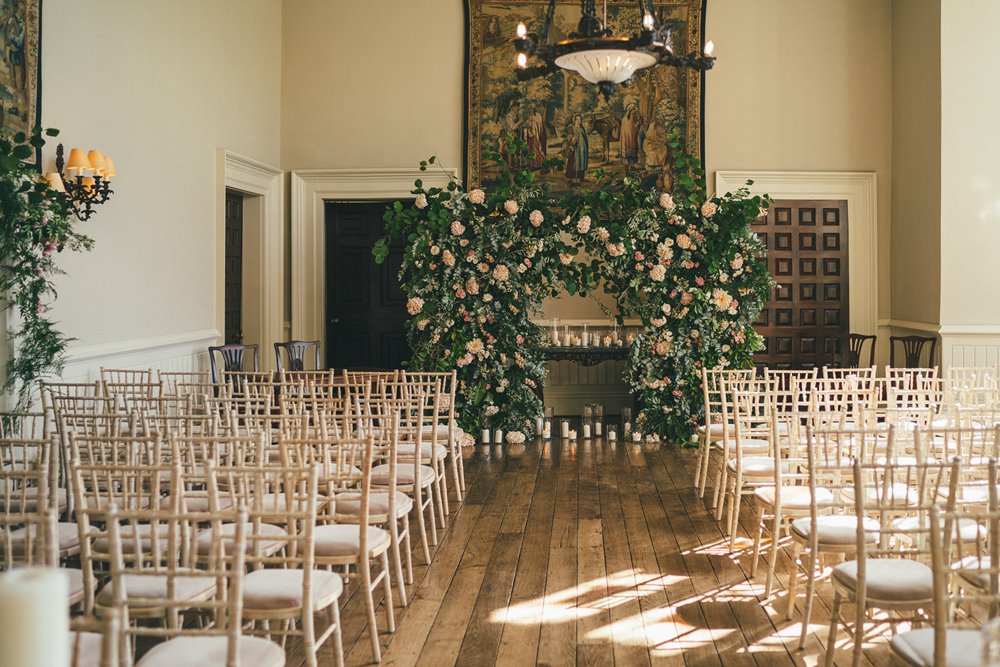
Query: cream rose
(501, 273)
(536, 218)
(658, 273)
(477, 196)
(709, 208)
(414, 305)
(583, 225)
(457, 228)
(511, 206)
(666, 201)
(420, 201)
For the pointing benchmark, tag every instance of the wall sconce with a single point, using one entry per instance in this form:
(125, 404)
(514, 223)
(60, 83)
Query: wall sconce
(86, 179)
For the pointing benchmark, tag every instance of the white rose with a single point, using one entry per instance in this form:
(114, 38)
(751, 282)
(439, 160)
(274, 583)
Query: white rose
(435, 250)
(421, 201)
(666, 201)
(709, 208)
(536, 218)
(477, 196)
(583, 225)
(511, 206)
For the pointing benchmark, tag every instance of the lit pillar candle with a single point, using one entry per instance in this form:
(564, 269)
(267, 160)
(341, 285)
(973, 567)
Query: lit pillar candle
(564, 428)
(34, 617)
(547, 430)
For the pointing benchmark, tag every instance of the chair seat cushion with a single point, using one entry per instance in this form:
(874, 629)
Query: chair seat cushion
(747, 445)
(75, 583)
(899, 495)
(715, 430)
(142, 590)
(30, 500)
(67, 534)
(967, 529)
(282, 589)
(349, 504)
(974, 571)
(404, 475)
(85, 649)
(837, 529)
(916, 648)
(145, 532)
(343, 540)
(442, 430)
(755, 466)
(197, 501)
(794, 497)
(264, 547)
(212, 652)
(406, 451)
(889, 579)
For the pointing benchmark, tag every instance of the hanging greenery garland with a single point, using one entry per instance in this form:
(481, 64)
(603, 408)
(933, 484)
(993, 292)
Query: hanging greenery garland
(478, 264)
(35, 225)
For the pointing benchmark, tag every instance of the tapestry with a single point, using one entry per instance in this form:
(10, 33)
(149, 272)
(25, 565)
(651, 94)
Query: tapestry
(562, 115)
(20, 66)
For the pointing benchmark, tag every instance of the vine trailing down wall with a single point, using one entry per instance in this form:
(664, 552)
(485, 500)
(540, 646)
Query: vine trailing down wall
(478, 264)
(35, 225)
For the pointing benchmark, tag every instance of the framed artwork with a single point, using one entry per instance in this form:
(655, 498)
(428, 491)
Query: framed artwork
(562, 115)
(21, 66)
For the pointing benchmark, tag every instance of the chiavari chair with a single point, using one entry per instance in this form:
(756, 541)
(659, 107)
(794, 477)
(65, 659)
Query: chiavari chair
(447, 431)
(94, 642)
(142, 376)
(250, 384)
(954, 638)
(892, 572)
(434, 451)
(196, 451)
(345, 464)
(149, 581)
(714, 428)
(750, 463)
(284, 586)
(720, 450)
(30, 425)
(172, 381)
(908, 378)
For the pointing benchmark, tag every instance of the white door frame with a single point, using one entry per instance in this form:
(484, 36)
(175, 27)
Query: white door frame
(310, 189)
(266, 184)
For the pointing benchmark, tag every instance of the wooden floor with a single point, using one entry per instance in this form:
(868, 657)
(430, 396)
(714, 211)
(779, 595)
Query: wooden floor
(589, 554)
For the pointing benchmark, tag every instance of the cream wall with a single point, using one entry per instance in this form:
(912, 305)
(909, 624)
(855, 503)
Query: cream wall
(159, 86)
(970, 170)
(803, 85)
(916, 160)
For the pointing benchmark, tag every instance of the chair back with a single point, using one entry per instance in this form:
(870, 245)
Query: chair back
(913, 350)
(232, 358)
(294, 355)
(854, 350)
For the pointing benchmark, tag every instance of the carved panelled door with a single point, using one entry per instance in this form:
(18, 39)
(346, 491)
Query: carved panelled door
(234, 268)
(365, 306)
(806, 318)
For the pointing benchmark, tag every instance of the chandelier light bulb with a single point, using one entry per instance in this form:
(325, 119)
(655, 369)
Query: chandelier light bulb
(522, 30)
(648, 22)
(522, 60)
(709, 47)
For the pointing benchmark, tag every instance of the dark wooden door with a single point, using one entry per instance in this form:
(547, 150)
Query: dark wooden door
(806, 318)
(234, 267)
(365, 306)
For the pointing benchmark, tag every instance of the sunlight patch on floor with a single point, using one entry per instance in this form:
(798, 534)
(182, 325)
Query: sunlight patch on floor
(587, 599)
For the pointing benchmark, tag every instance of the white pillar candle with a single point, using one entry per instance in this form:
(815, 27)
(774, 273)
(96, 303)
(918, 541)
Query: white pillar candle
(564, 429)
(612, 434)
(486, 436)
(586, 430)
(572, 434)
(598, 429)
(34, 617)
(498, 437)
(539, 426)
(547, 430)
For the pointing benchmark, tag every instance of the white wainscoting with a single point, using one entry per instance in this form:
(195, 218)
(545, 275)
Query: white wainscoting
(186, 351)
(970, 345)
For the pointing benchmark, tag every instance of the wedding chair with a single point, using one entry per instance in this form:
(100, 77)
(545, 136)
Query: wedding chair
(142, 376)
(232, 357)
(94, 641)
(172, 381)
(908, 378)
(755, 449)
(375, 414)
(861, 374)
(913, 350)
(24, 425)
(344, 465)
(891, 572)
(972, 579)
(75, 397)
(412, 477)
(714, 428)
(295, 352)
(130, 394)
(854, 348)
(250, 384)
(448, 429)
(243, 414)
(195, 452)
(432, 453)
(284, 586)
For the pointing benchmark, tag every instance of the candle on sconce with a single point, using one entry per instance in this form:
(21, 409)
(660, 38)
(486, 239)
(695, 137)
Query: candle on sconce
(78, 162)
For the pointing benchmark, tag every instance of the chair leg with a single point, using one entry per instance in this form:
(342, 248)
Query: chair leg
(759, 523)
(772, 560)
(721, 484)
(810, 595)
(706, 467)
(433, 517)
(456, 456)
(397, 562)
(423, 532)
(698, 463)
(308, 637)
(460, 462)
(365, 577)
(390, 614)
(831, 639)
(408, 549)
(441, 481)
(338, 637)
(793, 580)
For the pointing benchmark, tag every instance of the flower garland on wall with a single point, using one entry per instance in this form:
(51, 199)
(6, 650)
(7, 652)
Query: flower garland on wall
(35, 225)
(477, 264)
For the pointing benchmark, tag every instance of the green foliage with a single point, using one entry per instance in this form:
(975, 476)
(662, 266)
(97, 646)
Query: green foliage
(478, 264)
(35, 225)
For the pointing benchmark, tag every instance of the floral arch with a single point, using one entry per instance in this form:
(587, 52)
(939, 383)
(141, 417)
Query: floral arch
(478, 264)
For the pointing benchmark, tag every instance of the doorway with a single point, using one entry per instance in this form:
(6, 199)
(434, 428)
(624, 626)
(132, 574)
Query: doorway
(365, 305)
(234, 267)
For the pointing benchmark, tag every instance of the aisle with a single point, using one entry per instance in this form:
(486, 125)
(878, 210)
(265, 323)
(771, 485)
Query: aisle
(590, 555)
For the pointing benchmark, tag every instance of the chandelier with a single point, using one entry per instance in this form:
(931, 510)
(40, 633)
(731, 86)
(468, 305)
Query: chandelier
(597, 55)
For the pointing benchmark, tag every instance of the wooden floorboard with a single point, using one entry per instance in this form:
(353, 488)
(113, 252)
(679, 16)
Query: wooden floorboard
(591, 553)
